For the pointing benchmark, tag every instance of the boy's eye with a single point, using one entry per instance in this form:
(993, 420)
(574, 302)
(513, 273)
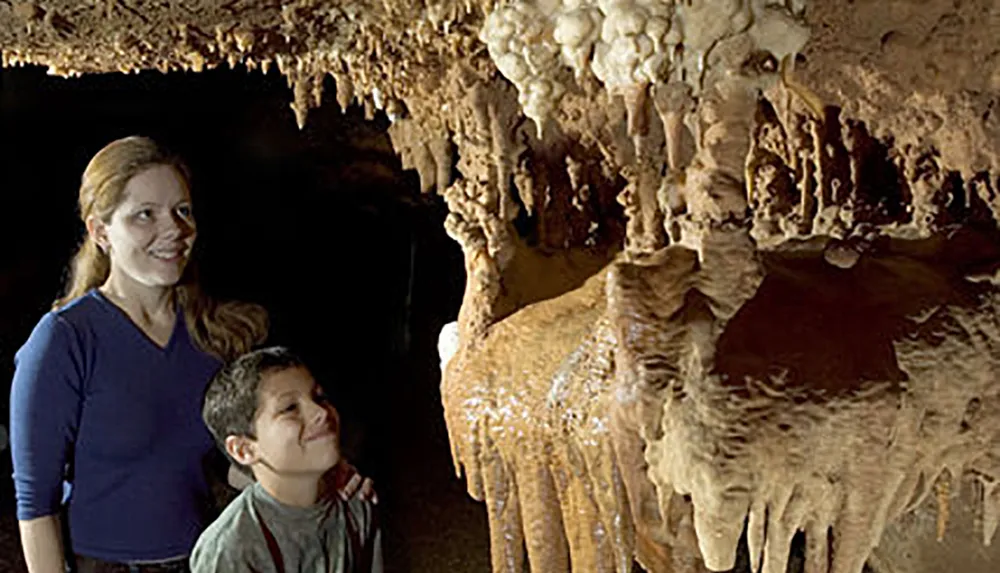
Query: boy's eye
(144, 215)
(184, 211)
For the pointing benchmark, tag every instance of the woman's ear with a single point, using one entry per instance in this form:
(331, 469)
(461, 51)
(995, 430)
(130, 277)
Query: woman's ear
(98, 231)
(242, 449)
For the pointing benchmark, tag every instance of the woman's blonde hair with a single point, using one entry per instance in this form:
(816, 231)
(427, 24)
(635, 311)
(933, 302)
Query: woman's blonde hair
(224, 329)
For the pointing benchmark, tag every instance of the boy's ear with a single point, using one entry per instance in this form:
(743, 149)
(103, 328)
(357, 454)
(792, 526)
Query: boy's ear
(242, 449)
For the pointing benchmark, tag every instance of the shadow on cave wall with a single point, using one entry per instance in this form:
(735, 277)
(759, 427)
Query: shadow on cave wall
(320, 225)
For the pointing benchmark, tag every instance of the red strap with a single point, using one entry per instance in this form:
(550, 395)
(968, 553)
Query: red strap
(272, 544)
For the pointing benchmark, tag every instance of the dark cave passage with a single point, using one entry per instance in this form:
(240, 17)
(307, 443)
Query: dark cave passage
(321, 226)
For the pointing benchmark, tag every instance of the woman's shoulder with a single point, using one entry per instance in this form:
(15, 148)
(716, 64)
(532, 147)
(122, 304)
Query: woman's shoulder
(66, 323)
(80, 309)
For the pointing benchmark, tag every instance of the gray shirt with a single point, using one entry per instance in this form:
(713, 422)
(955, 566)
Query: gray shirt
(258, 534)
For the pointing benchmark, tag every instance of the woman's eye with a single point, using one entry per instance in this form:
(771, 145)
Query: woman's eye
(289, 408)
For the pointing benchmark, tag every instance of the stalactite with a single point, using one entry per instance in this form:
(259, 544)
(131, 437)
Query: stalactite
(641, 380)
(943, 490)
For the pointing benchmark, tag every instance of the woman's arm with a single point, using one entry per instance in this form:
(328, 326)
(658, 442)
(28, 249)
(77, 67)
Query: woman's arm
(45, 403)
(41, 539)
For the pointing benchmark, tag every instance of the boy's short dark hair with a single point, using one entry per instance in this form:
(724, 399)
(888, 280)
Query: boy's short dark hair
(230, 403)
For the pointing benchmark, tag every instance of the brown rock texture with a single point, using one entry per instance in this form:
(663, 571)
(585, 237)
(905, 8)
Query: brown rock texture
(731, 264)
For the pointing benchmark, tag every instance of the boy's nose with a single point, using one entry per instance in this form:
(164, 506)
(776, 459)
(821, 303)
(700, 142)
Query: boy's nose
(319, 414)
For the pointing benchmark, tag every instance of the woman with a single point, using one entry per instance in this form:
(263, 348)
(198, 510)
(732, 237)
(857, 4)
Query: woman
(107, 390)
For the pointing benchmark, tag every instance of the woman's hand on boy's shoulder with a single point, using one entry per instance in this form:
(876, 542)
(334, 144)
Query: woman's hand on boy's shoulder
(349, 483)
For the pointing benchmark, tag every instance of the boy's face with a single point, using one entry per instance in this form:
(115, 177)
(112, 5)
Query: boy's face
(297, 428)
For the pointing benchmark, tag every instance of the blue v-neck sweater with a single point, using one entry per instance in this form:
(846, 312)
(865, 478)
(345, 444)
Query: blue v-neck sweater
(109, 423)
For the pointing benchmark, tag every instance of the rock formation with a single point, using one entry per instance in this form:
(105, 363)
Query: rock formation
(731, 265)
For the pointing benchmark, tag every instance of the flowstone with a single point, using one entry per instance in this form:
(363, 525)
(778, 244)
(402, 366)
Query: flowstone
(731, 264)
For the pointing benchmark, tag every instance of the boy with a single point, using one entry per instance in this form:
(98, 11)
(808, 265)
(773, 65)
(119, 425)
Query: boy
(269, 415)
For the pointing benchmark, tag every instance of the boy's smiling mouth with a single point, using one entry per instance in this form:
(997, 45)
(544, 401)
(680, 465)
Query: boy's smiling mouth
(319, 433)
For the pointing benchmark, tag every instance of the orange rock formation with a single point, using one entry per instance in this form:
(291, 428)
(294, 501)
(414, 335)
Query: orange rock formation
(731, 264)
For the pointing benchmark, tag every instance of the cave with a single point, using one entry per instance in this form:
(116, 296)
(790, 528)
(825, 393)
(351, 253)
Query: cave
(721, 286)
(296, 220)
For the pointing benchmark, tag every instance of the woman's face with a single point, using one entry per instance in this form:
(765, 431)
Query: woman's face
(150, 235)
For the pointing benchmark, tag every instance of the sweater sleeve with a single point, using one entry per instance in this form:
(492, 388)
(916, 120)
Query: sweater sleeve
(46, 397)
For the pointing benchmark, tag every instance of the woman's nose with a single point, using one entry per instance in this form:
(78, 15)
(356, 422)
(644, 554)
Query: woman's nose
(179, 225)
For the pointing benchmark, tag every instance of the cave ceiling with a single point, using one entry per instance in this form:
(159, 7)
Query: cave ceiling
(731, 264)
